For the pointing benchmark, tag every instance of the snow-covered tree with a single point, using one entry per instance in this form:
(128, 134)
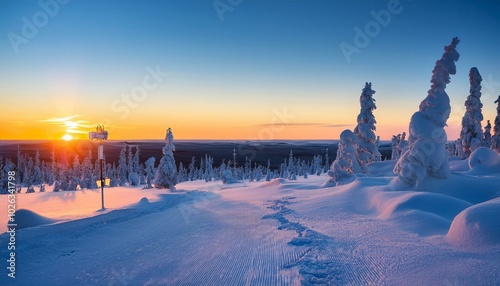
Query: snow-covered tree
(7, 167)
(122, 166)
(166, 174)
(208, 173)
(150, 171)
(471, 134)
(75, 174)
(88, 178)
(367, 150)
(37, 170)
(192, 169)
(487, 135)
(28, 171)
(346, 164)
(394, 144)
(318, 165)
(291, 170)
(269, 174)
(227, 177)
(326, 167)
(426, 154)
(53, 167)
(495, 140)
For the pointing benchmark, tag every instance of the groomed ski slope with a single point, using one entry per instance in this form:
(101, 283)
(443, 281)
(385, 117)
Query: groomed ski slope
(261, 233)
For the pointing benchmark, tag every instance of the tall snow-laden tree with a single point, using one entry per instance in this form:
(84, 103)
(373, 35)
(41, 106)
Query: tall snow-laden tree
(166, 174)
(495, 140)
(346, 164)
(471, 134)
(487, 134)
(426, 155)
(367, 150)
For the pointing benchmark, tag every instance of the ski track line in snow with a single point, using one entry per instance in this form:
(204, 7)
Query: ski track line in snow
(324, 261)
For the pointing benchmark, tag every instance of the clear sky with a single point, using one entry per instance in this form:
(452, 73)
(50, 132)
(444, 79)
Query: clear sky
(233, 69)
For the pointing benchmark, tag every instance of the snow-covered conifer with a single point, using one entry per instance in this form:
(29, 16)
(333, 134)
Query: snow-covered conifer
(426, 154)
(7, 167)
(37, 170)
(150, 171)
(487, 135)
(326, 167)
(495, 140)
(346, 164)
(291, 170)
(166, 174)
(88, 179)
(192, 169)
(394, 144)
(367, 150)
(269, 174)
(471, 134)
(122, 165)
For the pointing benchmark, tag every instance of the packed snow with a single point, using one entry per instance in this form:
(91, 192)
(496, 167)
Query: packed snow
(281, 232)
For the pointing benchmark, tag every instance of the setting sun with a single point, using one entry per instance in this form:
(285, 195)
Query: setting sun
(67, 137)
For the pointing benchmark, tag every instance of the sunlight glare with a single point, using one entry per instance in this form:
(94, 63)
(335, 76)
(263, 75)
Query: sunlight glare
(67, 137)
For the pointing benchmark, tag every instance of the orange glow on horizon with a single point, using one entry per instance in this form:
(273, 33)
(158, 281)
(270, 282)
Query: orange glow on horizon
(78, 128)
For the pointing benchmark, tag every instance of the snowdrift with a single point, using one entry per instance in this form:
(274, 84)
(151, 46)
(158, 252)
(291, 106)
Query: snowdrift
(484, 161)
(477, 226)
(26, 218)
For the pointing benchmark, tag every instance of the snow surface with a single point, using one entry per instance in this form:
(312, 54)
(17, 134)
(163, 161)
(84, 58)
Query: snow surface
(282, 232)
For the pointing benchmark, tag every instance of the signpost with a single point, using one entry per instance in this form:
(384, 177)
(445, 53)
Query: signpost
(100, 135)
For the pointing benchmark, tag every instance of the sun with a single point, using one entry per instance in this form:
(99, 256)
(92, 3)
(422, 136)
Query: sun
(67, 137)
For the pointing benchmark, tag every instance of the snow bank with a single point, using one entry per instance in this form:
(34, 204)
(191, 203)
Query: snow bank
(26, 218)
(477, 226)
(420, 212)
(458, 165)
(484, 161)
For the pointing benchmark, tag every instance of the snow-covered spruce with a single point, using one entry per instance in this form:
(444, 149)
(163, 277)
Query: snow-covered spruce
(471, 134)
(426, 155)
(495, 140)
(345, 165)
(166, 174)
(487, 134)
(150, 171)
(367, 151)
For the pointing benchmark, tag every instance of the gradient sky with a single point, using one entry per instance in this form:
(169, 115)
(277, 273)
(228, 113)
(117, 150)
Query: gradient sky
(266, 70)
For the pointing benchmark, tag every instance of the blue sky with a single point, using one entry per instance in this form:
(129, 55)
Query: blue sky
(227, 77)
